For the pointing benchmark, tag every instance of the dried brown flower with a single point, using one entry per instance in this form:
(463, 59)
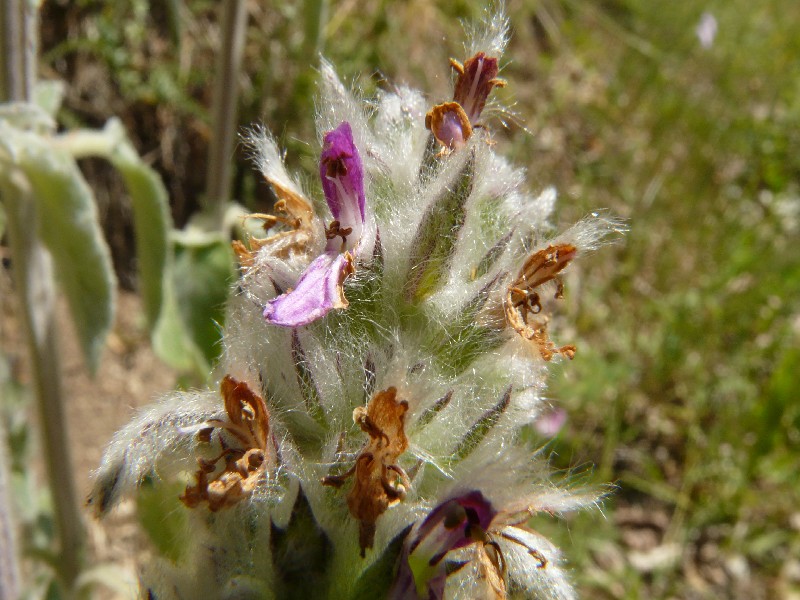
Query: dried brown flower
(452, 123)
(379, 481)
(245, 462)
(476, 78)
(299, 215)
(522, 300)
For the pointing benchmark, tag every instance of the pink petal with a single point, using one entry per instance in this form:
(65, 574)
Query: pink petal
(318, 291)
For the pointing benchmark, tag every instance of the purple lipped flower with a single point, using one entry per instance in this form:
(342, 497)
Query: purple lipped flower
(319, 289)
(454, 524)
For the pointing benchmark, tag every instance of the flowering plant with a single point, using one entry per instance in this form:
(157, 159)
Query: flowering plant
(381, 357)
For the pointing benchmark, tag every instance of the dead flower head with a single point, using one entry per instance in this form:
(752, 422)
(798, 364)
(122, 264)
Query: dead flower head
(244, 450)
(523, 306)
(294, 213)
(379, 481)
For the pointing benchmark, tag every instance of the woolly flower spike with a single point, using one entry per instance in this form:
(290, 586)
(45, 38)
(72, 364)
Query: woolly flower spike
(246, 460)
(319, 289)
(380, 482)
(378, 451)
(452, 122)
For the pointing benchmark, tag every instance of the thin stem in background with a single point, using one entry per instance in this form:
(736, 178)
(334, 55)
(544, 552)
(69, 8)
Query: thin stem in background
(36, 293)
(224, 109)
(316, 15)
(9, 567)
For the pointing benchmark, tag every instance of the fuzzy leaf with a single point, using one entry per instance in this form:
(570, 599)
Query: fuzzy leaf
(161, 516)
(108, 577)
(152, 224)
(481, 428)
(48, 95)
(459, 341)
(305, 379)
(171, 341)
(434, 410)
(68, 224)
(436, 238)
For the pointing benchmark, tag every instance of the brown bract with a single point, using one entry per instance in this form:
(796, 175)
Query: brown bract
(245, 460)
(293, 212)
(379, 481)
(522, 303)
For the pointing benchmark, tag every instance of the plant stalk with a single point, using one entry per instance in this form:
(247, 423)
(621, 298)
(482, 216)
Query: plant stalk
(36, 293)
(224, 108)
(9, 567)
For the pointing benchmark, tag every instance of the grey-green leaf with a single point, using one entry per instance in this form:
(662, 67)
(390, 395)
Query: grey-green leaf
(436, 237)
(481, 428)
(376, 580)
(68, 224)
(152, 223)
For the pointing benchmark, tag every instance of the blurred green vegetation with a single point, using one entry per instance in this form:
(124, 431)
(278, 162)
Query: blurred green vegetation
(684, 389)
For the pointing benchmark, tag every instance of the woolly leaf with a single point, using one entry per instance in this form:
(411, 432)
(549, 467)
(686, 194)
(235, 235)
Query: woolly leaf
(171, 340)
(436, 237)
(491, 256)
(106, 577)
(161, 516)
(152, 223)
(462, 339)
(49, 95)
(198, 285)
(434, 410)
(481, 428)
(68, 224)
(305, 379)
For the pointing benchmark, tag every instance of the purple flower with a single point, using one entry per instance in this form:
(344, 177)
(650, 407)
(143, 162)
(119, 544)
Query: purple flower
(319, 289)
(454, 524)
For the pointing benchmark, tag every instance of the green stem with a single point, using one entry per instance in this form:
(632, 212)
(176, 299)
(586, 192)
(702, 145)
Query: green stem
(315, 13)
(226, 95)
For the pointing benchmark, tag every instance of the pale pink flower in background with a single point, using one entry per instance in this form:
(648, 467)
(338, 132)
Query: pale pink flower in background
(706, 29)
(551, 422)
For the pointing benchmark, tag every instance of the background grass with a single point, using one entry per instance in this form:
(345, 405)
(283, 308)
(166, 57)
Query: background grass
(684, 390)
